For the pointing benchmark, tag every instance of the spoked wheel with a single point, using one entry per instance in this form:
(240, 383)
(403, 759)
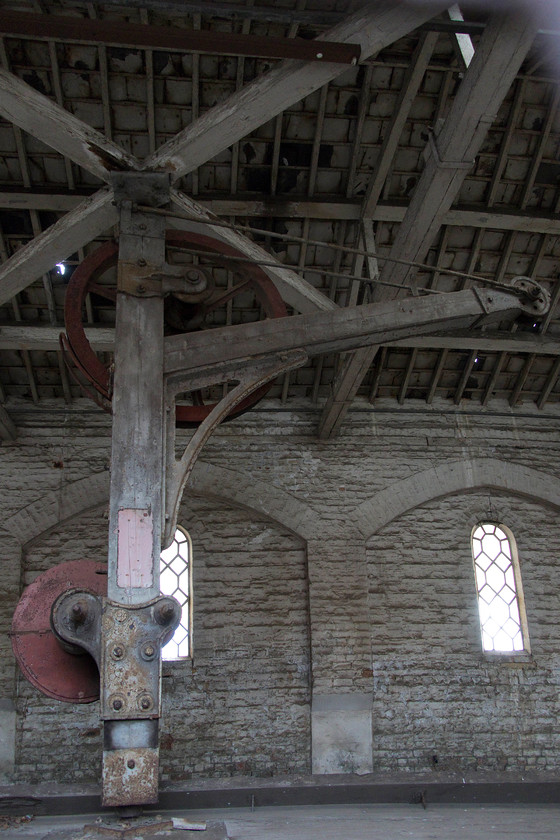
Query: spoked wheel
(230, 284)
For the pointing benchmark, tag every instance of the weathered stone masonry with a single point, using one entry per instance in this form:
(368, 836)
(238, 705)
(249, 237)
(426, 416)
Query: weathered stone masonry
(335, 623)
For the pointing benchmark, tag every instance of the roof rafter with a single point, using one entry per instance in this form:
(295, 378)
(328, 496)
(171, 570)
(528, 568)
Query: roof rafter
(53, 125)
(501, 51)
(411, 85)
(372, 27)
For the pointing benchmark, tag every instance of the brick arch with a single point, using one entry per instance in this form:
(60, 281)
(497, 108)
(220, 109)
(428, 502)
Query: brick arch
(56, 507)
(449, 478)
(243, 490)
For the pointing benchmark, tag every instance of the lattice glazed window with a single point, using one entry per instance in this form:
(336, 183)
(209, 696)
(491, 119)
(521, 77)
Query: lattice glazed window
(500, 596)
(175, 580)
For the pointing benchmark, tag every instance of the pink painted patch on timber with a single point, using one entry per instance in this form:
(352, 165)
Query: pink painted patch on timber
(135, 543)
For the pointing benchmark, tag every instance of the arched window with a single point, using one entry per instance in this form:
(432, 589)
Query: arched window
(175, 580)
(503, 623)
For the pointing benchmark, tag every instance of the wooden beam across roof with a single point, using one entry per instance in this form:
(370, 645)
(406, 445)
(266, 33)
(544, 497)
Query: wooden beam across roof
(59, 129)
(500, 53)
(373, 27)
(45, 337)
(279, 208)
(179, 39)
(91, 218)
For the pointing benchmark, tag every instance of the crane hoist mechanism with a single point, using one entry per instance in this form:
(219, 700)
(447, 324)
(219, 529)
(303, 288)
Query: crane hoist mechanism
(84, 630)
(198, 304)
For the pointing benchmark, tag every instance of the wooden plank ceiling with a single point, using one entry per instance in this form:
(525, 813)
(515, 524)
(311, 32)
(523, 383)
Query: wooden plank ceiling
(447, 130)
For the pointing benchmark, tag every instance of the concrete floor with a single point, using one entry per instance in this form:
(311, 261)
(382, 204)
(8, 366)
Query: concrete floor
(341, 822)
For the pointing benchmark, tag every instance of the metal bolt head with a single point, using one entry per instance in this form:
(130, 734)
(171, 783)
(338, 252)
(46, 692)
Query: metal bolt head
(131, 764)
(117, 705)
(149, 650)
(145, 703)
(164, 613)
(79, 612)
(141, 262)
(117, 652)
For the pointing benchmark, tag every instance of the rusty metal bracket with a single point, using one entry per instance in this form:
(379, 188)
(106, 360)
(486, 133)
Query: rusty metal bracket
(190, 283)
(130, 668)
(130, 656)
(534, 298)
(125, 641)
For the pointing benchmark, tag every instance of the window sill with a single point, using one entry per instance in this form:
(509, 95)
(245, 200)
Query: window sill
(172, 666)
(513, 660)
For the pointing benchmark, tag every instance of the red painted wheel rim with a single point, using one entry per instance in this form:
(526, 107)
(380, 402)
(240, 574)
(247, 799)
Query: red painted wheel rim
(97, 373)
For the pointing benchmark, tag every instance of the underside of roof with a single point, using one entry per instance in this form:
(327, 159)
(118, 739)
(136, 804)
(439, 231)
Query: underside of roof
(356, 151)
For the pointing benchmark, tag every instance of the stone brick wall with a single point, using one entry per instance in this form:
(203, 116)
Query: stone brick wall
(330, 576)
(241, 706)
(439, 702)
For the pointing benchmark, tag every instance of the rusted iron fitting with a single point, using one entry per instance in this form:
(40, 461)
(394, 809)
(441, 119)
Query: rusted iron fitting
(130, 657)
(534, 298)
(125, 642)
(189, 283)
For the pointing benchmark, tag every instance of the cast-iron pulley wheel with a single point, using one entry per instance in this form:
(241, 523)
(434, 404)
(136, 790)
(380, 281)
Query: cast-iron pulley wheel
(183, 313)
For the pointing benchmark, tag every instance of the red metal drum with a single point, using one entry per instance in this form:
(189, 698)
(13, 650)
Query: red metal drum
(51, 669)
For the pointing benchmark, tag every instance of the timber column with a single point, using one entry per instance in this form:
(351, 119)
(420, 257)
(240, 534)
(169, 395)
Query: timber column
(136, 620)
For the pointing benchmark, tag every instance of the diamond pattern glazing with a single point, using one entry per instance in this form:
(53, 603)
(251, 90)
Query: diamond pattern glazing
(498, 605)
(175, 565)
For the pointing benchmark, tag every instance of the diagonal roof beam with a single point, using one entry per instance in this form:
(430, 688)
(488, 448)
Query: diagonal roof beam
(373, 27)
(411, 84)
(8, 430)
(294, 289)
(53, 125)
(85, 222)
(502, 48)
